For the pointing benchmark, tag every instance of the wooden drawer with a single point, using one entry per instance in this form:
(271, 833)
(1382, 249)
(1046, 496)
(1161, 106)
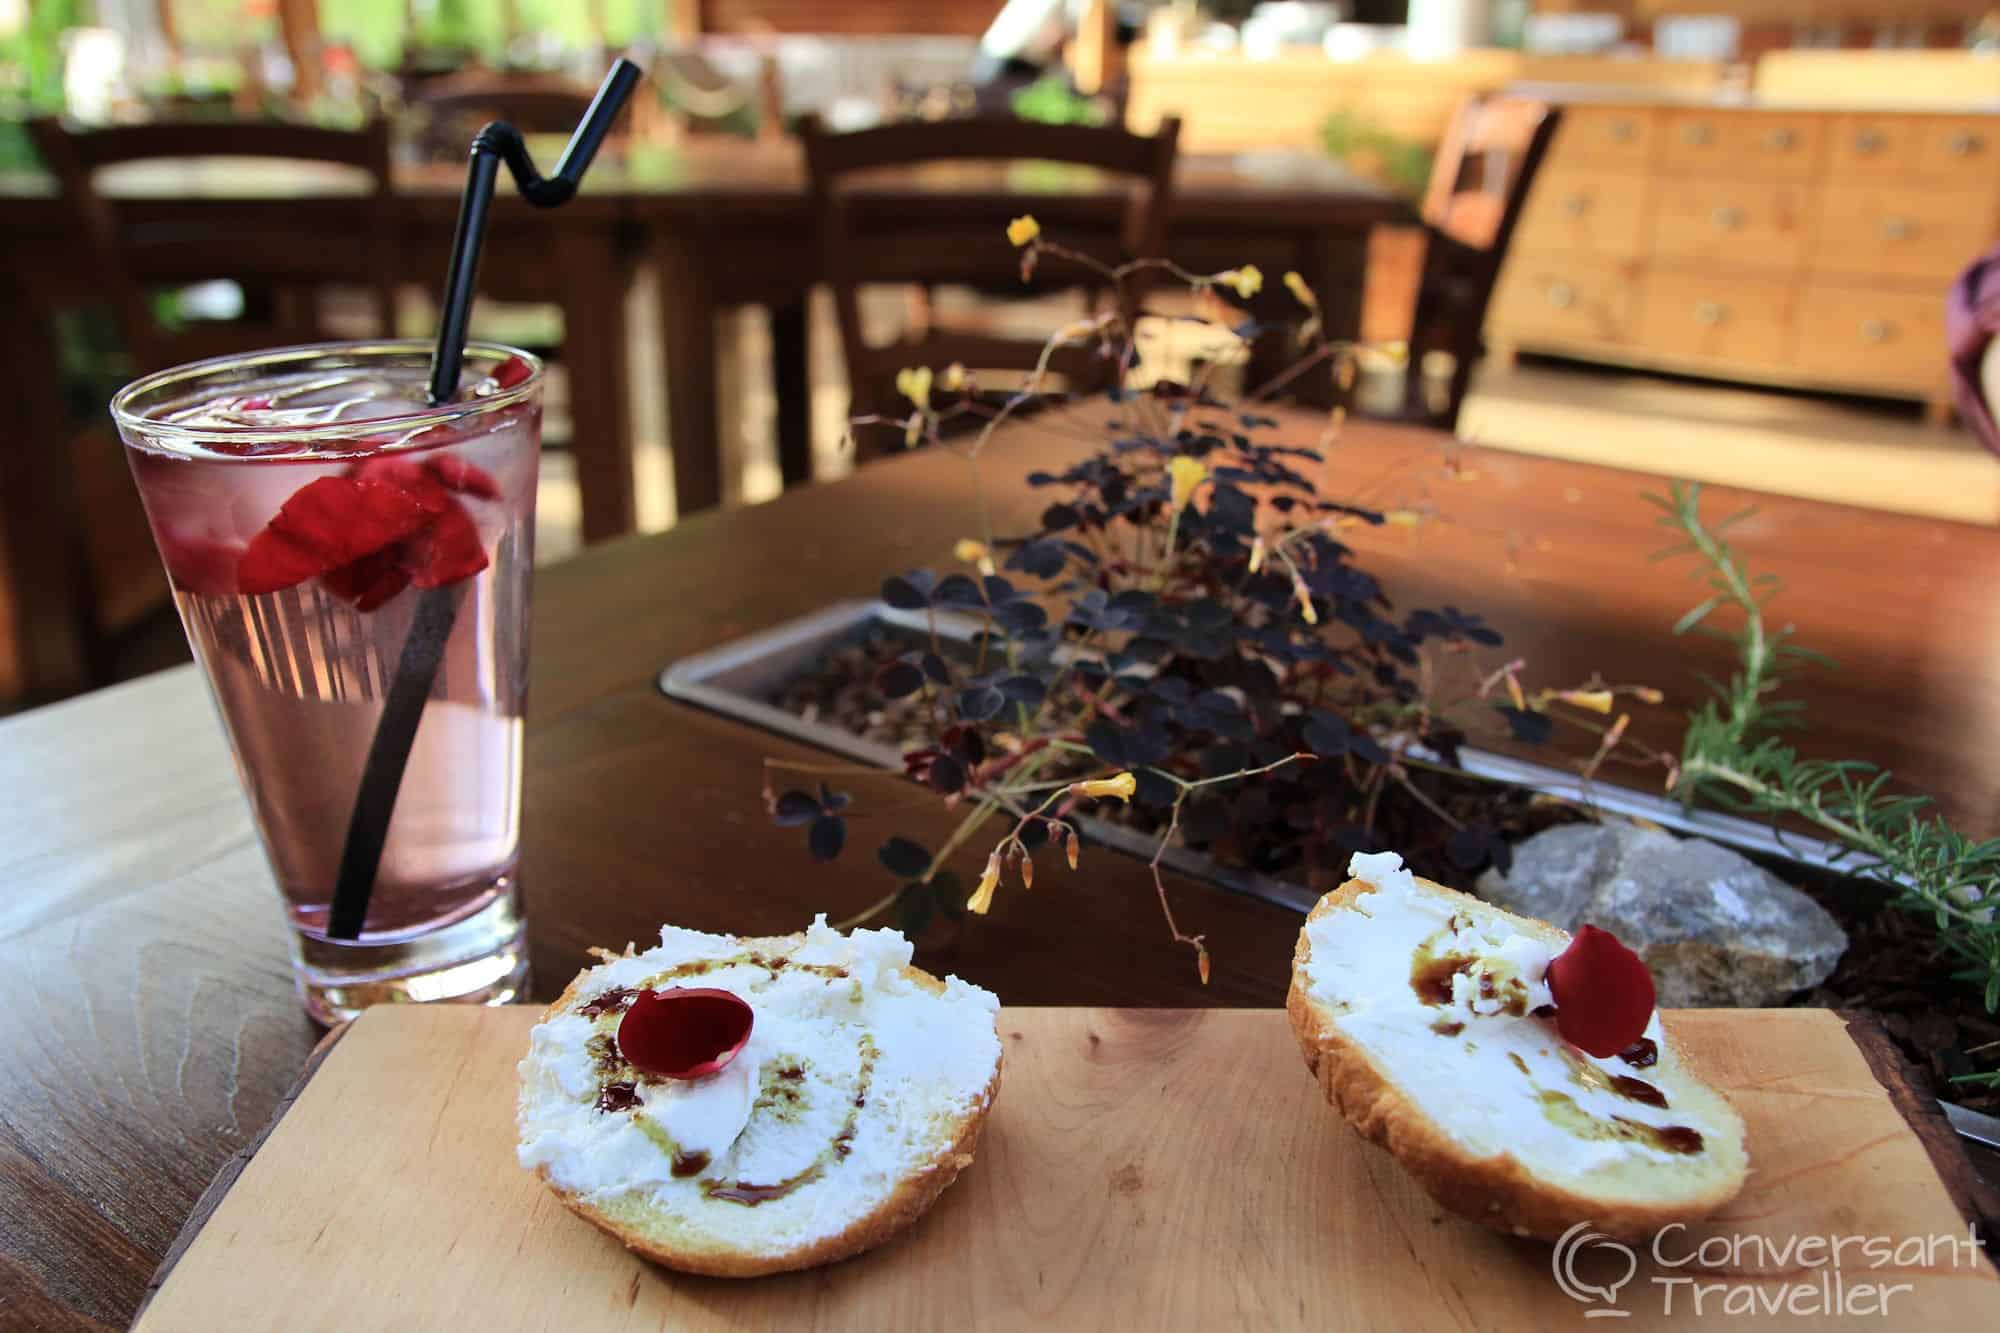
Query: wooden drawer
(1717, 318)
(1746, 224)
(1755, 145)
(1868, 338)
(1901, 231)
(1870, 147)
(1563, 299)
(1967, 146)
(1584, 210)
(1606, 136)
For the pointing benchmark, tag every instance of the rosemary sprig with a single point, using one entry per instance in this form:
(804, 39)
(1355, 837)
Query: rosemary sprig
(1734, 755)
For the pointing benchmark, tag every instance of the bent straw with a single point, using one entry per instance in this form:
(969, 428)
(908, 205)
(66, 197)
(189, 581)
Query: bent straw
(423, 651)
(493, 144)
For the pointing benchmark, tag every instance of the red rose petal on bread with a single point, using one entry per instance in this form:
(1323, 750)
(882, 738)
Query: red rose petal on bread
(1603, 991)
(686, 1033)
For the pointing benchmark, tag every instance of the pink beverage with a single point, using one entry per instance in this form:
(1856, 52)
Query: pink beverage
(328, 534)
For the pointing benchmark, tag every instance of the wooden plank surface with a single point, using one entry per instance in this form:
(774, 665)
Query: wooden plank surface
(1141, 1169)
(148, 1023)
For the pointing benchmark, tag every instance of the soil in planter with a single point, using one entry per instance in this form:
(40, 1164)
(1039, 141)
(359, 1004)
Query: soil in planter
(1892, 968)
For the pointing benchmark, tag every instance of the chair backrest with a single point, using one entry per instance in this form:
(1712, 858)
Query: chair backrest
(128, 256)
(458, 104)
(1483, 172)
(858, 247)
(1480, 176)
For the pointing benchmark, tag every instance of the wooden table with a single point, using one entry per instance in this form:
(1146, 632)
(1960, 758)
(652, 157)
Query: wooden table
(147, 1020)
(728, 223)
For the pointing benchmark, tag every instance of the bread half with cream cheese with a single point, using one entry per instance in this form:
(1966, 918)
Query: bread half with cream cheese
(858, 1097)
(1426, 1016)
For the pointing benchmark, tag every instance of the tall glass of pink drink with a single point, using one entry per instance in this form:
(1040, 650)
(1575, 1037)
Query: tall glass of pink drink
(315, 516)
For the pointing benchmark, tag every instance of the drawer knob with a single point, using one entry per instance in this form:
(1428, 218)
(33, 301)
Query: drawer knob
(1698, 134)
(1561, 295)
(1870, 141)
(1623, 131)
(1965, 143)
(1877, 330)
(1711, 313)
(1728, 217)
(1782, 139)
(1898, 229)
(1576, 204)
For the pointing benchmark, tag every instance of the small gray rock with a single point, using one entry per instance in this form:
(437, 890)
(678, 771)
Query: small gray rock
(1717, 930)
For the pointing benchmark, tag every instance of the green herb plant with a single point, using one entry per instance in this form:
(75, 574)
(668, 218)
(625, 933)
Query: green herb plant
(1735, 756)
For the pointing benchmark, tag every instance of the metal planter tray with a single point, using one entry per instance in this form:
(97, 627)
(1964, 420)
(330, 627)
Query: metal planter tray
(737, 678)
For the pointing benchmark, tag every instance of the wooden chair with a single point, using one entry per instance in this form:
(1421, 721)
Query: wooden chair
(1480, 180)
(131, 258)
(455, 106)
(862, 245)
(89, 577)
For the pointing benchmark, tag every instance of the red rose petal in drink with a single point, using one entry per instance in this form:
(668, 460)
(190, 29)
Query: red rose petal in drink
(514, 370)
(200, 564)
(446, 551)
(327, 523)
(370, 581)
(428, 478)
(455, 474)
(1603, 992)
(687, 1033)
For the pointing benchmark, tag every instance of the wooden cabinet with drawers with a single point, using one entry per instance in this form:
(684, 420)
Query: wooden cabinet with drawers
(1758, 224)
(1770, 244)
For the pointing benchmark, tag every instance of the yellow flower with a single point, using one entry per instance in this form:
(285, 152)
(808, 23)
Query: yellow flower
(1257, 554)
(1646, 694)
(982, 896)
(1246, 282)
(1301, 293)
(1186, 474)
(914, 383)
(1597, 701)
(1070, 846)
(1122, 786)
(1024, 229)
(1514, 693)
(954, 377)
(913, 430)
(1307, 611)
(974, 553)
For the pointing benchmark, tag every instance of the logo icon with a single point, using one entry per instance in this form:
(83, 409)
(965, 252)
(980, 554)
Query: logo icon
(1602, 1299)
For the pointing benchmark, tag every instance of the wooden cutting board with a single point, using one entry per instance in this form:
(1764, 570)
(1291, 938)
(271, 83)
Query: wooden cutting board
(1142, 1169)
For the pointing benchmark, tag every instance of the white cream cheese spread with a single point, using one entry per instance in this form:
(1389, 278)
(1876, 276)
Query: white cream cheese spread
(1447, 1007)
(853, 1076)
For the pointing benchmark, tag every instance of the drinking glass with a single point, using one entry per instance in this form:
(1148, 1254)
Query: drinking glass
(349, 561)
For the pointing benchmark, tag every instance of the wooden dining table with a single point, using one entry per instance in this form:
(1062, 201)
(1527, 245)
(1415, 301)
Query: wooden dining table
(148, 1025)
(727, 223)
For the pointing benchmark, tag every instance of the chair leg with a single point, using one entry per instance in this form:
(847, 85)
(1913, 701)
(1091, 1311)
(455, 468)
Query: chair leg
(44, 573)
(791, 376)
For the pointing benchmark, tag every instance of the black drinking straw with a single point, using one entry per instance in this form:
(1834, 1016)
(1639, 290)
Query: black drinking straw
(423, 651)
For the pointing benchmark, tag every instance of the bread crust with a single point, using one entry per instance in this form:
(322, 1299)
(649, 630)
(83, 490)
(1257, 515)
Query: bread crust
(910, 1200)
(1497, 1191)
